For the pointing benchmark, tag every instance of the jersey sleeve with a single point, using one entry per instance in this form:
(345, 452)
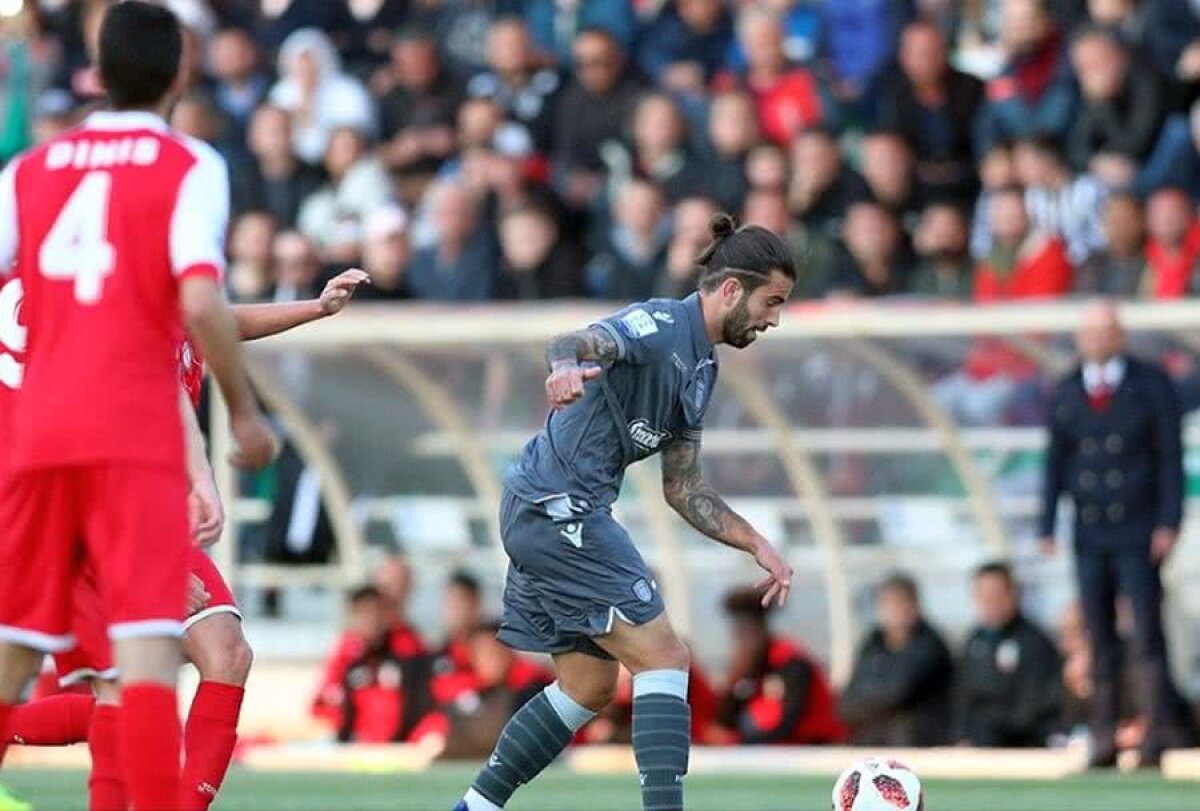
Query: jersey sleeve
(641, 338)
(201, 215)
(8, 217)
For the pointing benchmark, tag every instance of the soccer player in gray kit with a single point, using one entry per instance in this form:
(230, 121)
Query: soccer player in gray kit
(627, 387)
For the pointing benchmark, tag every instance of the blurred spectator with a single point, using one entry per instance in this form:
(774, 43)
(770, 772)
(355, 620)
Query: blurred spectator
(768, 168)
(777, 691)
(461, 27)
(297, 268)
(298, 530)
(789, 98)
(462, 614)
(277, 181)
(357, 184)
(372, 690)
(1007, 688)
(516, 175)
(1175, 160)
(196, 116)
(1174, 245)
(890, 172)
(768, 209)
(274, 21)
(239, 84)
(933, 106)
(686, 44)
(732, 133)
(900, 691)
(25, 68)
(860, 38)
(514, 82)
(555, 24)
(1122, 101)
(386, 254)
(317, 94)
(690, 235)
(1173, 39)
(1023, 262)
(1035, 92)
(872, 262)
(594, 108)
(803, 30)
(614, 724)
(997, 170)
(479, 702)
(419, 108)
(659, 152)
(1126, 18)
(54, 113)
(537, 261)
(393, 578)
(627, 266)
(944, 267)
(1060, 204)
(251, 238)
(1120, 269)
(461, 264)
(365, 40)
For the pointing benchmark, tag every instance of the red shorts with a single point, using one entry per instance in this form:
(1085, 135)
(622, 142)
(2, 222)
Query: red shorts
(129, 521)
(91, 658)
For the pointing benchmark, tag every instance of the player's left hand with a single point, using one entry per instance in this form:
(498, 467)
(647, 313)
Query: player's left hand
(1161, 544)
(198, 596)
(206, 512)
(779, 580)
(340, 289)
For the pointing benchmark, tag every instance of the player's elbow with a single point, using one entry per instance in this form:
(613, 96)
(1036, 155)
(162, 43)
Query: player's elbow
(200, 301)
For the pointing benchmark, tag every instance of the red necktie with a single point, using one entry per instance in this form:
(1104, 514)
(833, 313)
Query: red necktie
(1100, 397)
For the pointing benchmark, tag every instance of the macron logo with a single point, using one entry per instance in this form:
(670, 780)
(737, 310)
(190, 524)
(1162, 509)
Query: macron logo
(573, 532)
(646, 436)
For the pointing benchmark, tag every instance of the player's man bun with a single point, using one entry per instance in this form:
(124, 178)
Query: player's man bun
(750, 253)
(141, 46)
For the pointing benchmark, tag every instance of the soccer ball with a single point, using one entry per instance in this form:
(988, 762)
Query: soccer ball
(878, 784)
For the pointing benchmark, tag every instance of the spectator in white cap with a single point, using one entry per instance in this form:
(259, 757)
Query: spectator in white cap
(386, 253)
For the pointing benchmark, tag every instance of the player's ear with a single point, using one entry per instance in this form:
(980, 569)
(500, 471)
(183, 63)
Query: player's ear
(731, 289)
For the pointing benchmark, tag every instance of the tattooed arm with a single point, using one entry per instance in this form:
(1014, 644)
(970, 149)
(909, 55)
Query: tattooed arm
(565, 383)
(693, 498)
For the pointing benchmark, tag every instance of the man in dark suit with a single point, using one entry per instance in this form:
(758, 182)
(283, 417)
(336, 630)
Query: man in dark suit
(1116, 449)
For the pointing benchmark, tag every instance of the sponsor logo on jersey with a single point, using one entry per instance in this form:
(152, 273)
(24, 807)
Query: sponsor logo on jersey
(646, 436)
(638, 324)
(664, 317)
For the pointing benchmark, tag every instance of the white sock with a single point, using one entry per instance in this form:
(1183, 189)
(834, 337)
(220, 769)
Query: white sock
(477, 802)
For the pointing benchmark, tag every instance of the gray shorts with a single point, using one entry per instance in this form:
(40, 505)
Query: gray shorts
(572, 576)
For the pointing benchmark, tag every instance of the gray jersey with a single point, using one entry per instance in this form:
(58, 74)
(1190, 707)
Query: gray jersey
(656, 392)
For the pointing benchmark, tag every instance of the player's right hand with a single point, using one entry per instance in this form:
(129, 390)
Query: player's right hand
(198, 596)
(779, 580)
(565, 383)
(206, 512)
(256, 444)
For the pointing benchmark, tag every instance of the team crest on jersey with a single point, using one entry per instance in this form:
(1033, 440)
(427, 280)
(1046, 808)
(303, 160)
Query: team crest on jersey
(647, 437)
(186, 358)
(638, 324)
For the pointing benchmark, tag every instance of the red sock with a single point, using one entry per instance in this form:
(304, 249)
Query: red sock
(149, 745)
(106, 784)
(52, 721)
(5, 716)
(208, 741)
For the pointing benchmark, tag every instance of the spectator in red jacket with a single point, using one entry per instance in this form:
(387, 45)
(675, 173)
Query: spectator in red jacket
(777, 692)
(790, 99)
(1174, 244)
(375, 687)
(462, 612)
(477, 703)
(1022, 262)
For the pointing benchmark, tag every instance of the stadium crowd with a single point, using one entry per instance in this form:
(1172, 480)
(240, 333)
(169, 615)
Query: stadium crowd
(471, 150)
(1009, 684)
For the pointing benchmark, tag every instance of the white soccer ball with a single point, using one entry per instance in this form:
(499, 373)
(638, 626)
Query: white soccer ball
(878, 784)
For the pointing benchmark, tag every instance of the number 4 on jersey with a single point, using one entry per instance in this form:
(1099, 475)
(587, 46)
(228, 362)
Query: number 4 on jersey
(77, 245)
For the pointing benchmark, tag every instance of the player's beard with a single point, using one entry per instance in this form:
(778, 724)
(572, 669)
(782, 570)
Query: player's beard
(737, 330)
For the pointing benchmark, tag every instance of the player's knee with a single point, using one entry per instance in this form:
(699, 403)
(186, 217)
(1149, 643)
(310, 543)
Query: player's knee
(228, 663)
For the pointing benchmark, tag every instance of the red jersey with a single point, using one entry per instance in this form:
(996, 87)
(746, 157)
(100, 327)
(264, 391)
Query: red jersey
(103, 223)
(12, 358)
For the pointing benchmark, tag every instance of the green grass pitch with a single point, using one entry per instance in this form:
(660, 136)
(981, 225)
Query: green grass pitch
(559, 790)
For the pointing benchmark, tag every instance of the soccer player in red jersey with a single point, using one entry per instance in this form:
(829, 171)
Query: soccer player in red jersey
(213, 640)
(117, 229)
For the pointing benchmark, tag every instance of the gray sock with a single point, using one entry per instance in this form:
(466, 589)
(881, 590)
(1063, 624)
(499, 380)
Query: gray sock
(661, 737)
(530, 742)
